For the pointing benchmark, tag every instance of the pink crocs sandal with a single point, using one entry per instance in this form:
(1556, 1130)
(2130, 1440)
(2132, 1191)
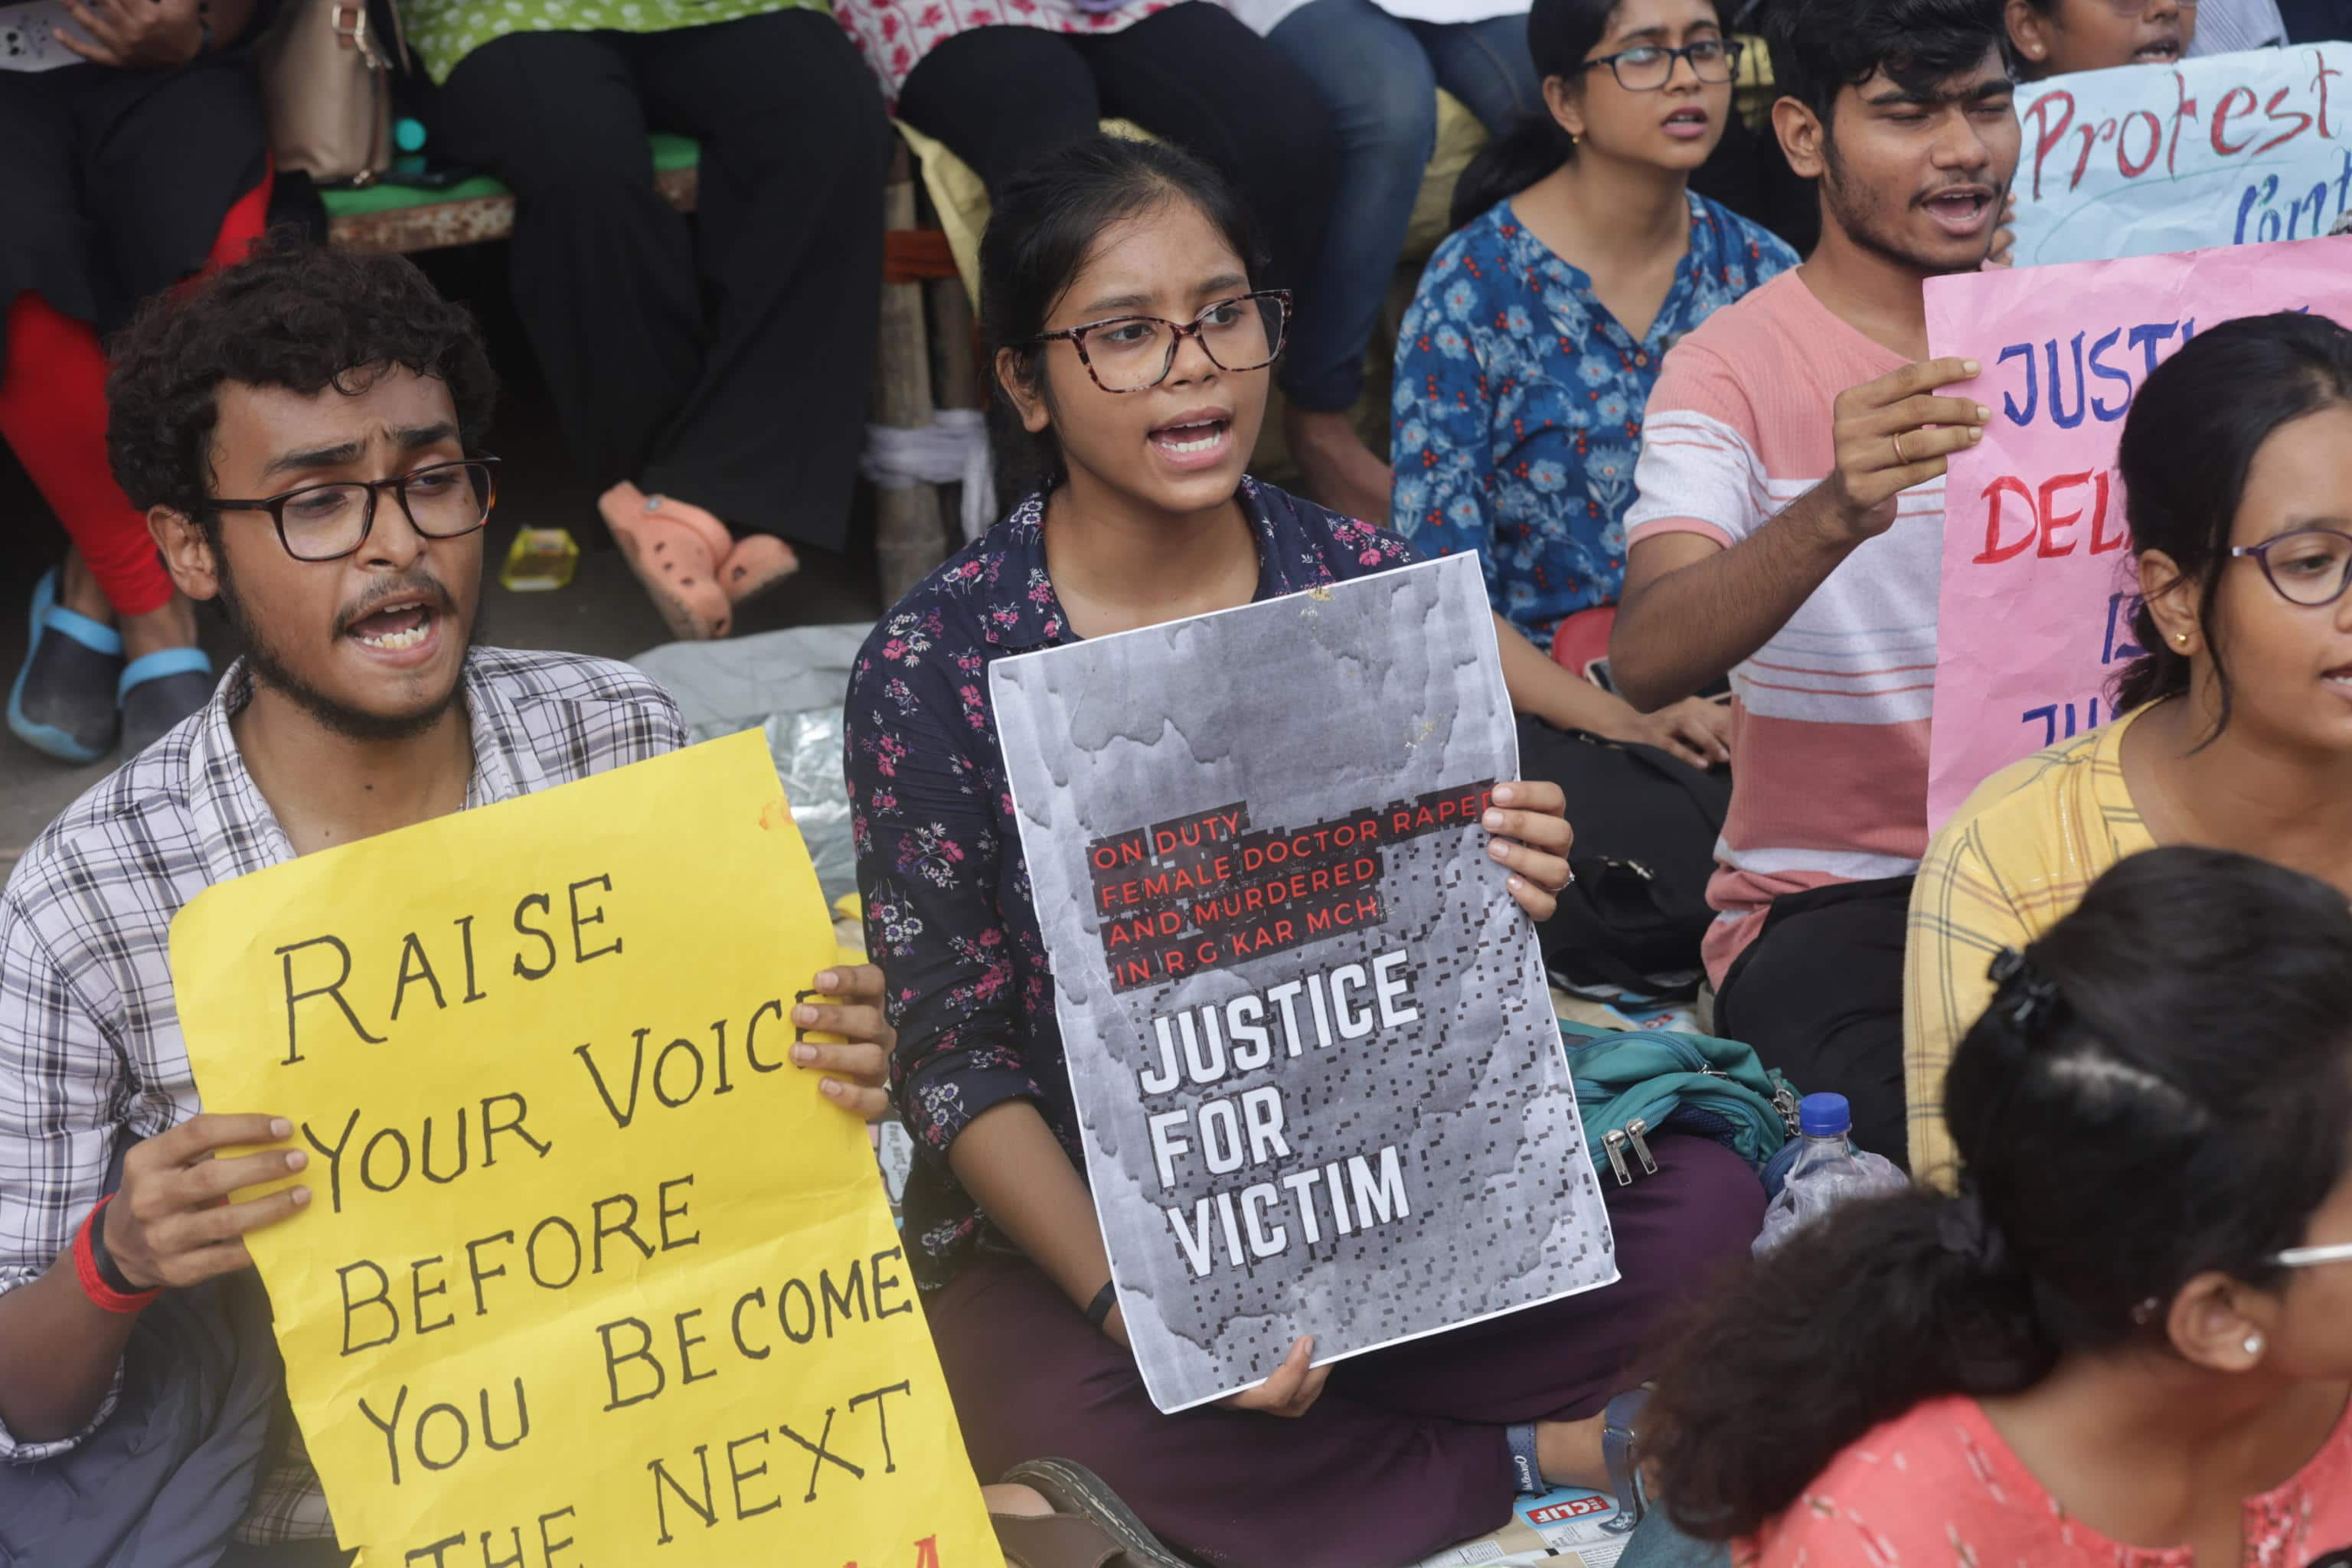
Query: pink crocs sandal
(757, 563)
(675, 562)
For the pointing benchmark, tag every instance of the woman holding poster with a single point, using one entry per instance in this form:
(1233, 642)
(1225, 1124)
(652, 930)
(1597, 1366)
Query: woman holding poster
(1129, 347)
(2237, 718)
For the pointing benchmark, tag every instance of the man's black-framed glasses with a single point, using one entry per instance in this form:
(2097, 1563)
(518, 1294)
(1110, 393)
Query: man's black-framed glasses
(1131, 354)
(1646, 68)
(2310, 566)
(327, 522)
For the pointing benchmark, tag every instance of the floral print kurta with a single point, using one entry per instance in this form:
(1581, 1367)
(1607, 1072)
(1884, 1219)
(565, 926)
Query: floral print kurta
(1519, 402)
(948, 907)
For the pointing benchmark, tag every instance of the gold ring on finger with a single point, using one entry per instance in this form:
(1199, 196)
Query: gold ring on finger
(1899, 457)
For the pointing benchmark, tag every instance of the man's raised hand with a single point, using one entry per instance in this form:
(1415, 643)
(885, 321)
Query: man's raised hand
(1893, 433)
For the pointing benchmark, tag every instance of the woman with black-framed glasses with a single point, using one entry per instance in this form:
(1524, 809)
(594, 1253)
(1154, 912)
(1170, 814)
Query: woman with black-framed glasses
(2234, 721)
(1524, 363)
(1130, 353)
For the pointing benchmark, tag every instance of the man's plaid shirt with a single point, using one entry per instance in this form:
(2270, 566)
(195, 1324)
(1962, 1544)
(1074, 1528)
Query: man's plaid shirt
(91, 1060)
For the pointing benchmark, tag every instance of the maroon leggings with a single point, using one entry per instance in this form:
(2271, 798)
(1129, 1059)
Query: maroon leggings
(1402, 1457)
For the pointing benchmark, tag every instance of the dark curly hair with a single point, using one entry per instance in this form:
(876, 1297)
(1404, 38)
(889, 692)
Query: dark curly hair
(2160, 1089)
(293, 314)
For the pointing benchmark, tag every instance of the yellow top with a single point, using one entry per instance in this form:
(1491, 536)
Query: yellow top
(2014, 861)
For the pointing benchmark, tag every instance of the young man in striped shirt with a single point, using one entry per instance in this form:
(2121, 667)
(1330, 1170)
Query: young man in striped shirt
(1789, 524)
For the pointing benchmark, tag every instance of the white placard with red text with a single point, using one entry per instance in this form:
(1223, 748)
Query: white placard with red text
(2227, 149)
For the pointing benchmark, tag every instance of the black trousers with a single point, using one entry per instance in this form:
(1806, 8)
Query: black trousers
(755, 408)
(1002, 97)
(1819, 995)
(113, 183)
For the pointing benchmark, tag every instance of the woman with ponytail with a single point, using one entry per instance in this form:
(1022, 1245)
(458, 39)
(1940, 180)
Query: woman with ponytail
(2234, 724)
(2126, 1342)
(1531, 346)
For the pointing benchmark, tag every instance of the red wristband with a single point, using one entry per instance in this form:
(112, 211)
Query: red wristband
(93, 1285)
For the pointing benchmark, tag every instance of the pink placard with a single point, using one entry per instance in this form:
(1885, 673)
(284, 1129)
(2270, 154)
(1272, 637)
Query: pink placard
(2038, 584)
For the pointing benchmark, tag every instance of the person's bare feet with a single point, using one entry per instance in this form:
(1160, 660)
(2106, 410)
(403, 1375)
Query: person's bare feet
(1569, 1453)
(77, 590)
(1340, 471)
(171, 625)
(1019, 1501)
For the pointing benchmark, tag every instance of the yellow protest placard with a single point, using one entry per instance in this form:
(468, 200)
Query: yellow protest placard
(591, 1276)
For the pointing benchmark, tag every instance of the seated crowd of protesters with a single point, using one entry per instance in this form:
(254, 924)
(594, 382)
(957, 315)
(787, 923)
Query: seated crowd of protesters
(1688, 460)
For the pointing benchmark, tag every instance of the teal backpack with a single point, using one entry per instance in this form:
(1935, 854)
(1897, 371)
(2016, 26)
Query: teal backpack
(1634, 1085)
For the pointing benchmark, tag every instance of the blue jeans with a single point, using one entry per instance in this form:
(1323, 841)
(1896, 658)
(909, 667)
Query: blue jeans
(1379, 76)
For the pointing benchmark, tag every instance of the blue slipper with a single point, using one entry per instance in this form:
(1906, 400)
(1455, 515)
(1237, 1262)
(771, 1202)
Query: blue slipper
(63, 703)
(159, 689)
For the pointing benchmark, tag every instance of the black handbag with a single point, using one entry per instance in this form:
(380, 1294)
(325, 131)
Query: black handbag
(1646, 826)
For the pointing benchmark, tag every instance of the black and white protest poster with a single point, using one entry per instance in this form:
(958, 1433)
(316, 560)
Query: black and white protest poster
(1318, 1075)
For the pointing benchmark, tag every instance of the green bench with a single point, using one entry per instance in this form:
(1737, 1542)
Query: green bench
(388, 216)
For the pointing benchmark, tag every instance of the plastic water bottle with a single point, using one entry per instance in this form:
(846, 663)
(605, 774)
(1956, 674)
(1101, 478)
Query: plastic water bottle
(1829, 1170)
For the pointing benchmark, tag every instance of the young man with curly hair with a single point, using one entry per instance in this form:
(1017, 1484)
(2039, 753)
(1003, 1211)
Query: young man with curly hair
(303, 432)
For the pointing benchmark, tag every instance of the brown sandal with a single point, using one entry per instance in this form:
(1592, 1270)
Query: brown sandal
(1089, 1527)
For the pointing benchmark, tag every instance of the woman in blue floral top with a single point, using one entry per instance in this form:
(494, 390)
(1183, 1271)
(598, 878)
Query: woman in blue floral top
(1528, 353)
(1137, 438)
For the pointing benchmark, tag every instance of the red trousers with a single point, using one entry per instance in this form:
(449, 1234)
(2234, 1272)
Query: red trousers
(53, 415)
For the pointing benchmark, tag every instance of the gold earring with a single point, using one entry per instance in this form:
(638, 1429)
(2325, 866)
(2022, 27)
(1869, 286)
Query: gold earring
(1573, 138)
(2180, 637)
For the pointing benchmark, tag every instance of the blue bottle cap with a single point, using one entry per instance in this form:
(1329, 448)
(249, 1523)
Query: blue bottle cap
(408, 135)
(1825, 1116)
